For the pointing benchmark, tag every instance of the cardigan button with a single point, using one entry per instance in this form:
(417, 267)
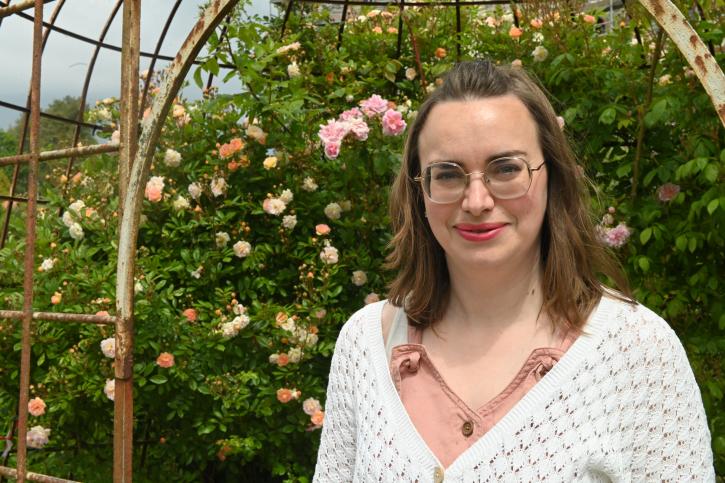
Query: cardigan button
(467, 429)
(438, 475)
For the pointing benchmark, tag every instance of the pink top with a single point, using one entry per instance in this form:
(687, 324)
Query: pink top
(444, 421)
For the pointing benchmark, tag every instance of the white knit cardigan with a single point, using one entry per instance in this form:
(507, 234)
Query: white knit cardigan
(621, 405)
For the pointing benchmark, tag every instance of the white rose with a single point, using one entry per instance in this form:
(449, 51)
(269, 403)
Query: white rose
(289, 221)
(333, 211)
(295, 355)
(172, 158)
(540, 53)
(221, 239)
(293, 70)
(359, 278)
(218, 186)
(242, 249)
(108, 347)
(194, 190)
(76, 207)
(286, 196)
(110, 389)
(309, 184)
(76, 231)
(329, 255)
(410, 73)
(37, 437)
(47, 264)
(180, 203)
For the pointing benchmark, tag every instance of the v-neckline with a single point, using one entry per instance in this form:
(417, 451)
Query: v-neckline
(582, 346)
(490, 405)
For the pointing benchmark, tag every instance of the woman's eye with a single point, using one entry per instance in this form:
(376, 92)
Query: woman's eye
(505, 169)
(447, 175)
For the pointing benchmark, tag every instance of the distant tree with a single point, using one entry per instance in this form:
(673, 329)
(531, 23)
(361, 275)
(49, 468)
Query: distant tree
(56, 134)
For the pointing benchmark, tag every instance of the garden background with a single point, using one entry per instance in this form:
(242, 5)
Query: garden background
(265, 226)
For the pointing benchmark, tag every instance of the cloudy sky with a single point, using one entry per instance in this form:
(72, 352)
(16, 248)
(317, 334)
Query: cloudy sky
(66, 59)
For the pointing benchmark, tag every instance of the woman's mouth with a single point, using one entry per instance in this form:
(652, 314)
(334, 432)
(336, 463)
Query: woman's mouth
(479, 232)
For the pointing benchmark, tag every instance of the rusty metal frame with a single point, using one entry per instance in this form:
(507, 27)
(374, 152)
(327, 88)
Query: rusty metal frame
(136, 151)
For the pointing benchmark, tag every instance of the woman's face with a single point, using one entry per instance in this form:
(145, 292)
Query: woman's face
(480, 231)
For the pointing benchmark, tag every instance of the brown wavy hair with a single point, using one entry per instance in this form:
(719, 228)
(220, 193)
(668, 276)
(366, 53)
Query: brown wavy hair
(572, 257)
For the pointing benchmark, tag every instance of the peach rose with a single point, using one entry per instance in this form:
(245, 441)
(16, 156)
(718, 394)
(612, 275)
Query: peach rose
(283, 360)
(165, 360)
(589, 19)
(190, 314)
(36, 407)
(322, 229)
(536, 23)
(440, 53)
(56, 298)
(515, 32)
(284, 395)
(318, 418)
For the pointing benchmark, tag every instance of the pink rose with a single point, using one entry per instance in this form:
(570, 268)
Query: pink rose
(350, 114)
(36, 407)
(374, 106)
(359, 128)
(322, 229)
(154, 189)
(332, 150)
(393, 123)
(589, 19)
(667, 192)
(333, 132)
(165, 360)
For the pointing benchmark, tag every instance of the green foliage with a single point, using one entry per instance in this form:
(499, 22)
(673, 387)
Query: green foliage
(644, 128)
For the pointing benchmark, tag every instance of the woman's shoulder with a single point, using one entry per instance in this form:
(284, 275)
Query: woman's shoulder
(635, 328)
(363, 322)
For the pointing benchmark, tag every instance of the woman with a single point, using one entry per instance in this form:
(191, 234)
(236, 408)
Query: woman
(499, 355)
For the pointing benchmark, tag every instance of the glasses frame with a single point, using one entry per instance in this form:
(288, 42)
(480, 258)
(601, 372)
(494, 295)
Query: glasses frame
(486, 179)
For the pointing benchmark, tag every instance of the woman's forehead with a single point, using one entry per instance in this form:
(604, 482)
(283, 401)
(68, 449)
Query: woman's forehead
(478, 130)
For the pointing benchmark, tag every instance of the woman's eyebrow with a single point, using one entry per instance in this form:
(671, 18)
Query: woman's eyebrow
(507, 154)
(498, 155)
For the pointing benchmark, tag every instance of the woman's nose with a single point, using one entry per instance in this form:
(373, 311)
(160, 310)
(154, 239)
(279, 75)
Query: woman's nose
(477, 198)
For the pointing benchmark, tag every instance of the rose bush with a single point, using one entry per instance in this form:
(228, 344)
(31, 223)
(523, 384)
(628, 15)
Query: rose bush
(265, 226)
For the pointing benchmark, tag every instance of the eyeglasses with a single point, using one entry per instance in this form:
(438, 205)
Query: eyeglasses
(505, 178)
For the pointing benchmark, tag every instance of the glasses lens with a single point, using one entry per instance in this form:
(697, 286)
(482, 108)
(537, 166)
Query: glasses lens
(508, 177)
(444, 182)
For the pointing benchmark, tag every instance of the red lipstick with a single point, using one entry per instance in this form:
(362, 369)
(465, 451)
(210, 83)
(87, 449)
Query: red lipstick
(478, 232)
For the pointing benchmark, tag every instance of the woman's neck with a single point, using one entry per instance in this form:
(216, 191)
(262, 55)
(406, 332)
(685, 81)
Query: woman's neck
(485, 301)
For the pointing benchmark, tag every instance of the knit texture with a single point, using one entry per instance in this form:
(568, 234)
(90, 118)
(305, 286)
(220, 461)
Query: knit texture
(621, 405)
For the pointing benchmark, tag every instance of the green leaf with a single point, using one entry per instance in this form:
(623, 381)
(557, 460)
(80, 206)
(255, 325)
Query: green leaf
(206, 429)
(608, 115)
(712, 206)
(711, 172)
(715, 390)
(644, 264)
(645, 235)
(681, 243)
(692, 245)
(158, 379)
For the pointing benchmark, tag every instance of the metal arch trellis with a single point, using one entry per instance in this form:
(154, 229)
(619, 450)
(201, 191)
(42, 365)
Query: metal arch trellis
(135, 156)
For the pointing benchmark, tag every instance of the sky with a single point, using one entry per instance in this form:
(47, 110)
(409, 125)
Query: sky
(65, 59)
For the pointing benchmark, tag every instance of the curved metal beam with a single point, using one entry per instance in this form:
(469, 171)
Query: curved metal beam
(131, 199)
(670, 18)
